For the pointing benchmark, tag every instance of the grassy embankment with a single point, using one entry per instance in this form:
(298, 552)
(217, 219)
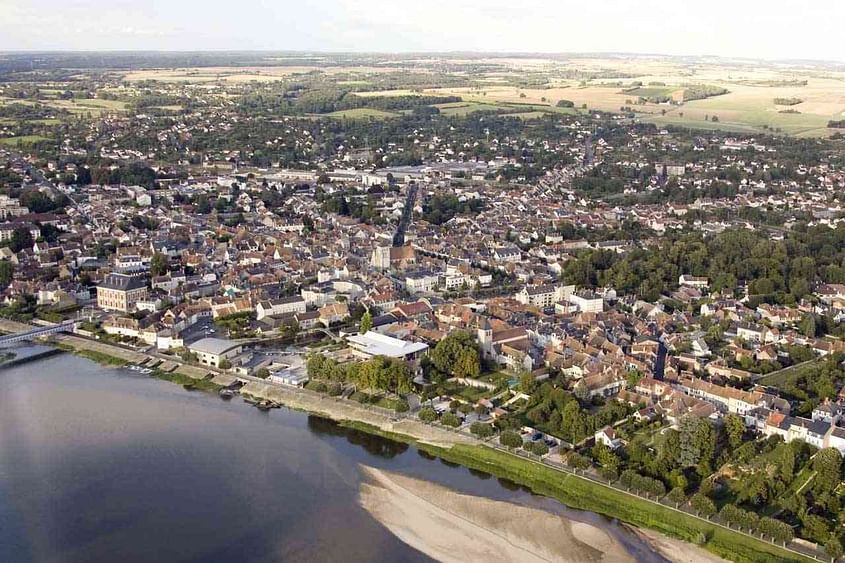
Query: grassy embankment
(112, 361)
(187, 382)
(584, 494)
(94, 356)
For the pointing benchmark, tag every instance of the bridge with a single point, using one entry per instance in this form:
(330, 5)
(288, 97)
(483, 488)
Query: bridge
(36, 332)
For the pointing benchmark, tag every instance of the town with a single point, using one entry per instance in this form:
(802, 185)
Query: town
(661, 308)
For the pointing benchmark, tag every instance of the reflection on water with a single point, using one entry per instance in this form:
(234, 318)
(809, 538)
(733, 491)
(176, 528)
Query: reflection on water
(371, 443)
(98, 464)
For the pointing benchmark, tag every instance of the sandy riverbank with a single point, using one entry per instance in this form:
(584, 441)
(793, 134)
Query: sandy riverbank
(676, 550)
(449, 526)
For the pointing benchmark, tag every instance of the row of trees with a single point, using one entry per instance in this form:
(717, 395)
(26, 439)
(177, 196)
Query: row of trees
(379, 373)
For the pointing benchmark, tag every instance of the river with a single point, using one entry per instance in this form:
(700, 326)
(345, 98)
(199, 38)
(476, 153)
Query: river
(103, 464)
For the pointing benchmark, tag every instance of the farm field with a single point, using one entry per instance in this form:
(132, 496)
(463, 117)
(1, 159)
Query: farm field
(360, 113)
(23, 140)
(238, 74)
(749, 106)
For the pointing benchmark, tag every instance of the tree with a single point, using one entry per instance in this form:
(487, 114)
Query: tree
(481, 429)
(828, 466)
(449, 419)
(510, 439)
(527, 382)
(468, 364)
(456, 354)
(159, 264)
(775, 529)
(21, 238)
(702, 505)
(734, 429)
(808, 326)
(815, 528)
(833, 547)
(7, 273)
(605, 457)
(677, 496)
(263, 373)
(577, 461)
(225, 364)
(427, 414)
(366, 322)
(539, 448)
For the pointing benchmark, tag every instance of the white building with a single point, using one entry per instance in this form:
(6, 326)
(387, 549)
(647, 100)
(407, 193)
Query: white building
(212, 351)
(269, 308)
(374, 344)
(586, 302)
(544, 296)
(421, 282)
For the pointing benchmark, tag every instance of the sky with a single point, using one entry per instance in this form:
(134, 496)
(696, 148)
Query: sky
(768, 29)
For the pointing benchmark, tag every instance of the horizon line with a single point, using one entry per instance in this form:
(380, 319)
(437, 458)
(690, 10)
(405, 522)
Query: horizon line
(518, 54)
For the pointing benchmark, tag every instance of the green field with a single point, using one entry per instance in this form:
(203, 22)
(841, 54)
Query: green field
(23, 140)
(461, 109)
(358, 113)
(650, 91)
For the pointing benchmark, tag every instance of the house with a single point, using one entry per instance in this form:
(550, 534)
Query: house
(213, 351)
(334, 313)
(421, 282)
(293, 304)
(752, 332)
(693, 281)
(608, 437)
(730, 399)
(120, 292)
(586, 302)
(544, 296)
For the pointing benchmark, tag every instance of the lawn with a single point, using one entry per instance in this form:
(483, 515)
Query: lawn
(470, 394)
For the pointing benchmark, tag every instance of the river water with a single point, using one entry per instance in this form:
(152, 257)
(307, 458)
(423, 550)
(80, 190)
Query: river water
(101, 465)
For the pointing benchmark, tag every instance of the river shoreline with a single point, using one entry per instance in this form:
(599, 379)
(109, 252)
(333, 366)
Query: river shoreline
(451, 526)
(659, 521)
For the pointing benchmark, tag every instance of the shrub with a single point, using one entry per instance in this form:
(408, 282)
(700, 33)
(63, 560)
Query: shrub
(677, 495)
(577, 461)
(703, 505)
(481, 429)
(449, 419)
(609, 473)
(427, 414)
(402, 406)
(334, 389)
(510, 439)
(539, 448)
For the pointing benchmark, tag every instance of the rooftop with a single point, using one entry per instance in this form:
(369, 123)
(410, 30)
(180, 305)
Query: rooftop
(375, 344)
(213, 345)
